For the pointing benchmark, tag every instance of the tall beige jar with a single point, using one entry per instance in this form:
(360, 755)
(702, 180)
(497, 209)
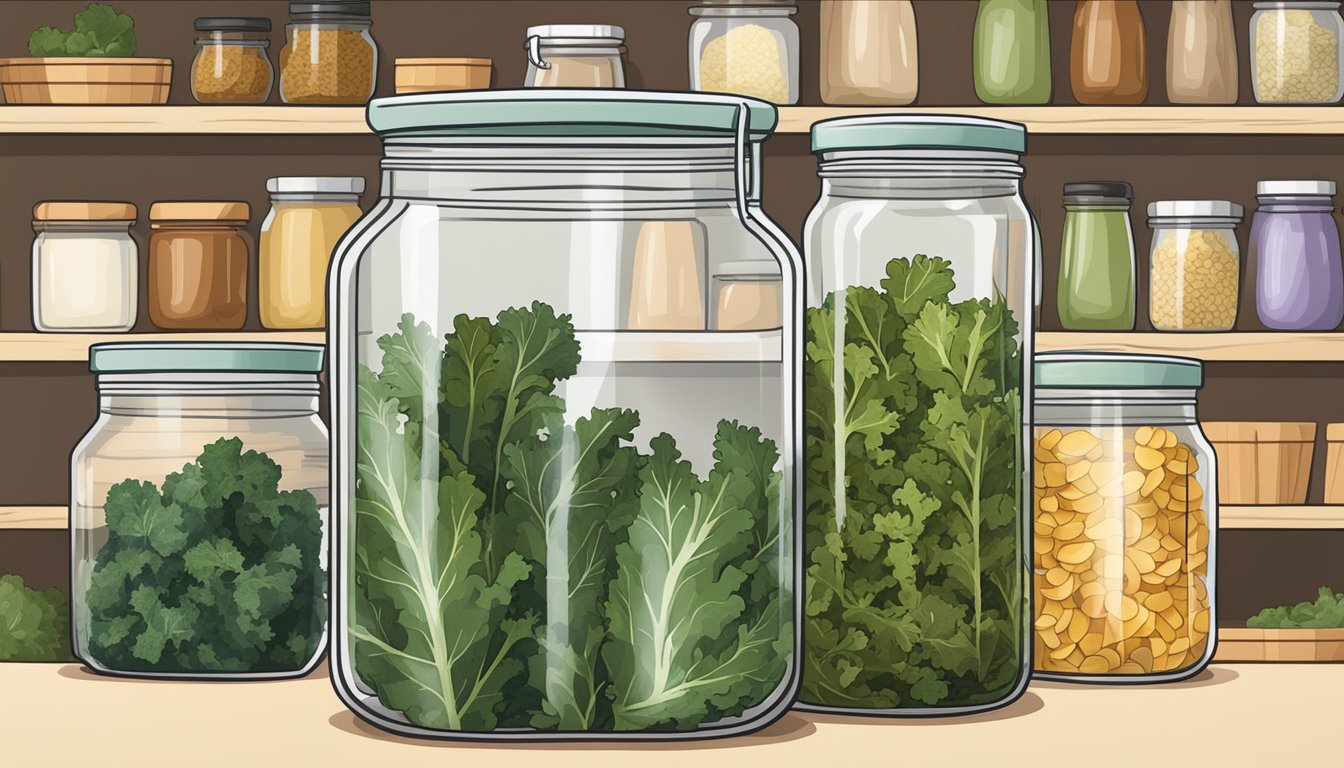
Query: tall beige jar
(1202, 53)
(869, 52)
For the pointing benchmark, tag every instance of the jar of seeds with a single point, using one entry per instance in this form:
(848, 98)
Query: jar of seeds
(1299, 53)
(329, 55)
(1196, 265)
(231, 66)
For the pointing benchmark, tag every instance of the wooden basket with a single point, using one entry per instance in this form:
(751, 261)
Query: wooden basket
(1245, 644)
(1262, 462)
(86, 80)
(428, 75)
(1334, 464)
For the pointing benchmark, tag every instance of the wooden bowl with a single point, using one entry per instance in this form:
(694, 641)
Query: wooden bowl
(428, 75)
(86, 80)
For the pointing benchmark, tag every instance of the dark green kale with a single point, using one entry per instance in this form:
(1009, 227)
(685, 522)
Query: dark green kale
(913, 471)
(216, 572)
(34, 624)
(1327, 612)
(99, 31)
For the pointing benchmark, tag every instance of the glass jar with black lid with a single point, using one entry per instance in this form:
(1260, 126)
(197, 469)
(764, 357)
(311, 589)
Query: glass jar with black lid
(330, 57)
(1096, 260)
(231, 66)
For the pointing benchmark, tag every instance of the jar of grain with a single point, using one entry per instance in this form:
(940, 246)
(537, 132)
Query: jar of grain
(85, 267)
(1299, 53)
(1125, 519)
(231, 66)
(308, 216)
(198, 265)
(329, 55)
(1195, 265)
(747, 296)
(746, 47)
(575, 56)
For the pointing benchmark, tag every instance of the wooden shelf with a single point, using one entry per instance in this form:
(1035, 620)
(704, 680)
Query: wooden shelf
(74, 347)
(34, 518)
(1244, 714)
(1289, 518)
(1268, 346)
(264, 120)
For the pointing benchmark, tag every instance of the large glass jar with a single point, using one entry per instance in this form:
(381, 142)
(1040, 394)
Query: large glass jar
(1096, 261)
(231, 66)
(575, 56)
(564, 509)
(1194, 279)
(309, 214)
(198, 265)
(1299, 280)
(198, 506)
(1202, 53)
(1108, 60)
(1011, 57)
(869, 52)
(330, 56)
(1125, 519)
(746, 47)
(1299, 53)
(918, 334)
(85, 267)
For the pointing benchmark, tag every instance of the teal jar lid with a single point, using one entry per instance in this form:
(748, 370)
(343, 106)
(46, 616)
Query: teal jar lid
(1105, 370)
(949, 132)
(559, 113)
(198, 357)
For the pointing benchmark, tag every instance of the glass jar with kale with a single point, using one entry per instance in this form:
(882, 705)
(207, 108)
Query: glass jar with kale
(565, 502)
(199, 507)
(918, 332)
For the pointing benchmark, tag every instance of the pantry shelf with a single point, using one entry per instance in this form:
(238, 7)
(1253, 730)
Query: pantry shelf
(34, 518)
(1213, 347)
(74, 347)
(1288, 518)
(212, 120)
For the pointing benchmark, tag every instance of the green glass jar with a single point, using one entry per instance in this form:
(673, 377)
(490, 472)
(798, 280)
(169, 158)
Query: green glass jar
(1096, 261)
(1012, 52)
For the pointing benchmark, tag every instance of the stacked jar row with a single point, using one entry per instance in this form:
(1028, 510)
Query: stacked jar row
(1195, 261)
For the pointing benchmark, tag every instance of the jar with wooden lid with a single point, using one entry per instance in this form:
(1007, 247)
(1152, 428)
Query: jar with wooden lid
(85, 267)
(231, 66)
(575, 56)
(1108, 63)
(330, 56)
(307, 218)
(198, 255)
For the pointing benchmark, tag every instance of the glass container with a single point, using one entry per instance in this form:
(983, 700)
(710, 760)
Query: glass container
(1202, 53)
(1299, 281)
(85, 267)
(869, 52)
(330, 56)
(308, 216)
(1096, 262)
(1299, 53)
(747, 296)
(1012, 52)
(231, 66)
(1195, 278)
(920, 258)
(198, 255)
(575, 56)
(597, 495)
(198, 512)
(1126, 521)
(1108, 63)
(746, 48)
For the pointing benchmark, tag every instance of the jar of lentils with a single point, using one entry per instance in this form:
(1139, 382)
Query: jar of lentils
(1298, 52)
(329, 55)
(1124, 519)
(1196, 265)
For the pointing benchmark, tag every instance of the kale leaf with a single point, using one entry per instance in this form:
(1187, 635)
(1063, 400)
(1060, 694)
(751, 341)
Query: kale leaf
(218, 571)
(34, 624)
(1327, 612)
(99, 31)
(915, 569)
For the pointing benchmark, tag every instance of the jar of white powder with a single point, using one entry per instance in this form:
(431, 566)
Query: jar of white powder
(85, 267)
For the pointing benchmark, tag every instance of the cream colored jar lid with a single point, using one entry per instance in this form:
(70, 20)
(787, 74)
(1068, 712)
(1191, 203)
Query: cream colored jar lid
(200, 211)
(62, 210)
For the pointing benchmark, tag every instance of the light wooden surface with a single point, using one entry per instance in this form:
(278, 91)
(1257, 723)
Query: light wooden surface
(34, 518)
(1249, 120)
(74, 347)
(1230, 715)
(1295, 518)
(1260, 346)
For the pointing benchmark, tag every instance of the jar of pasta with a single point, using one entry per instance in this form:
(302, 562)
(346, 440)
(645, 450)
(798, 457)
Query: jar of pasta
(1298, 53)
(329, 55)
(198, 265)
(231, 66)
(1196, 265)
(308, 216)
(1125, 519)
(746, 47)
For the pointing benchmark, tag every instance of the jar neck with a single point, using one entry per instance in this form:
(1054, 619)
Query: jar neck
(918, 174)
(257, 39)
(329, 22)
(84, 227)
(1296, 203)
(1096, 205)
(1192, 222)
(298, 198)
(197, 226)
(209, 395)
(1112, 407)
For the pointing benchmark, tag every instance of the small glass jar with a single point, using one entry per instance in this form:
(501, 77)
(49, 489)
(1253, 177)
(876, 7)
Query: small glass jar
(1195, 265)
(330, 57)
(1011, 57)
(1096, 261)
(1125, 520)
(1298, 53)
(1108, 60)
(1299, 282)
(748, 48)
(1202, 53)
(85, 267)
(747, 296)
(199, 511)
(869, 52)
(231, 66)
(198, 254)
(308, 216)
(575, 56)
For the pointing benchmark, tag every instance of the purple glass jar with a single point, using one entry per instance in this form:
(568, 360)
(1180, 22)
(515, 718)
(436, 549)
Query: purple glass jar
(1299, 282)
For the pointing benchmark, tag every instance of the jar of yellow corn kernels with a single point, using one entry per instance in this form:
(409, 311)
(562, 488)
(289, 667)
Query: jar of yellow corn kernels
(1124, 519)
(1297, 52)
(329, 55)
(747, 47)
(1195, 275)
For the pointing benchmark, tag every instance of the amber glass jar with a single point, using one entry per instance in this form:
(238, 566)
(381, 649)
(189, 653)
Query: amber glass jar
(198, 258)
(1108, 63)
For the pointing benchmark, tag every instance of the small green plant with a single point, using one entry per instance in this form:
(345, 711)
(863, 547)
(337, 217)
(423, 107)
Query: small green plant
(99, 31)
(1326, 613)
(34, 624)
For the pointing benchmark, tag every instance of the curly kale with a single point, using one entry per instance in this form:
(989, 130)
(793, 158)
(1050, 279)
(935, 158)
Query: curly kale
(99, 31)
(216, 571)
(34, 624)
(1326, 612)
(514, 570)
(912, 531)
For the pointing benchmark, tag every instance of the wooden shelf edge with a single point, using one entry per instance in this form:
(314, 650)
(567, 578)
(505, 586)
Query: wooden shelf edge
(208, 120)
(34, 518)
(1288, 518)
(1264, 346)
(74, 347)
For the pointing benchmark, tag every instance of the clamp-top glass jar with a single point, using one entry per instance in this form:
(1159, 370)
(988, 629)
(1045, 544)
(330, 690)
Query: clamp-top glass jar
(565, 510)
(747, 47)
(920, 258)
(330, 56)
(1125, 519)
(198, 504)
(575, 56)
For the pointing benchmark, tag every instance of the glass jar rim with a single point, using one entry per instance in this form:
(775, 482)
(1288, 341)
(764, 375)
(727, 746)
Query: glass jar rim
(1193, 222)
(205, 357)
(753, 10)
